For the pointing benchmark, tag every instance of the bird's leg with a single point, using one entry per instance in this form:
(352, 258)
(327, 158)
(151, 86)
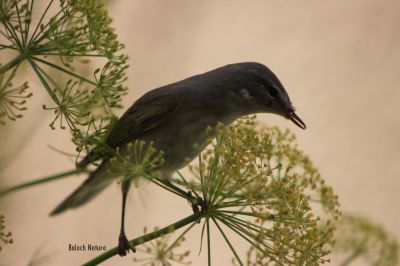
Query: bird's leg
(123, 243)
(197, 202)
(169, 184)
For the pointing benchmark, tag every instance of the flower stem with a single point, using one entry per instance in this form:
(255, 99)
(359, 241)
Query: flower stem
(145, 238)
(351, 258)
(41, 180)
(15, 62)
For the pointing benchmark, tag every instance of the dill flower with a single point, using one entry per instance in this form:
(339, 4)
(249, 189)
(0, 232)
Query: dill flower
(359, 238)
(163, 253)
(12, 99)
(258, 184)
(65, 35)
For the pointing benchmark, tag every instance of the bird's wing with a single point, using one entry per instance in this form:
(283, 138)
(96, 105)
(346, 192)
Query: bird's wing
(141, 118)
(144, 115)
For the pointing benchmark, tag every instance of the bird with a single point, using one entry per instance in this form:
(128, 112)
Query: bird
(174, 118)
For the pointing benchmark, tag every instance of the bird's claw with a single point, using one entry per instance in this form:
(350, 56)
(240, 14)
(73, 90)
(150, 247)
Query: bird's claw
(199, 206)
(123, 245)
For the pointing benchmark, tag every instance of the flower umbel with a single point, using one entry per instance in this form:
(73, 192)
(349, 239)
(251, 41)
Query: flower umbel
(110, 82)
(137, 159)
(357, 237)
(71, 108)
(161, 252)
(91, 139)
(12, 99)
(63, 37)
(8, 11)
(259, 185)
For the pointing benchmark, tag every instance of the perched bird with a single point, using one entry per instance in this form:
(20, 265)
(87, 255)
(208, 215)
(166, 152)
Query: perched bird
(174, 117)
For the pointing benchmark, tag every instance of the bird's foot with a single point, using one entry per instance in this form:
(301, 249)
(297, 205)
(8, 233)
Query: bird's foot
(198, 204)
(123, 245)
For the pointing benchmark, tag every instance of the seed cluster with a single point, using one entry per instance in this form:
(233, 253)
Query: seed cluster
(57, 43)
(257, 183)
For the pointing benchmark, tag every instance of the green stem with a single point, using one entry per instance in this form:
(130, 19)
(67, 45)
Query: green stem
(228, 242)
(41, 181)
(66, 71)
(33, 37)
(45, 84)
(179, 238)
(78, 55)
(13, 63)
(208, 242)
(351, 258)
(3, 46)
(145, 238)
(11, 32)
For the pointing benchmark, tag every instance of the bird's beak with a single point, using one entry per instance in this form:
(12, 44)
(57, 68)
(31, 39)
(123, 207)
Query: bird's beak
(295, 119)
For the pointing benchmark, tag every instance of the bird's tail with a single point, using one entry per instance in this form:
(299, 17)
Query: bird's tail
(93, 185)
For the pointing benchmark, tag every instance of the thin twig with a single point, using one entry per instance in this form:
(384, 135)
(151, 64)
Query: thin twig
(41, 181)
(145, 238)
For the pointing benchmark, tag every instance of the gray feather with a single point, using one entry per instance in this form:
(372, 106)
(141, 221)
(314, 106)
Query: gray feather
(93, 185)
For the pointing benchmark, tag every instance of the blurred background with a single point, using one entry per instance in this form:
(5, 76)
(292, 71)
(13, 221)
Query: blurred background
(339, 61)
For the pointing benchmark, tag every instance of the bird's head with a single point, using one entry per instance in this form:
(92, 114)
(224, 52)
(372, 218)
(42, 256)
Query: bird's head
(258, 90)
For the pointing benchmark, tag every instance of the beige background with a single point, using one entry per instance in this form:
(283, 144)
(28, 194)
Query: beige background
(339, 61)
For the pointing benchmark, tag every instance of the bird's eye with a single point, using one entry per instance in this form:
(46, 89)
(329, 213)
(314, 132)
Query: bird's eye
(273, 91)
(271, 88)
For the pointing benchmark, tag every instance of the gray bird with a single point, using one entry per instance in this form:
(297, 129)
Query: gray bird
(174, 117)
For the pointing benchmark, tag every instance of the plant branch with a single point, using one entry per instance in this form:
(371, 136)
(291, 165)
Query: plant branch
(13, 63)
(64, 70)
(65, 54)
(45, 84)
(228, 242)
(33, 37)
(3, 46)
(145, 238)
(208, 242)
(351, 258)
(20, 26)
(10, 30)
(41, 181)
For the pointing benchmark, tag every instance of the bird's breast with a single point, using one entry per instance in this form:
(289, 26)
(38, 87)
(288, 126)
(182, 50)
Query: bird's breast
(183, 139)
